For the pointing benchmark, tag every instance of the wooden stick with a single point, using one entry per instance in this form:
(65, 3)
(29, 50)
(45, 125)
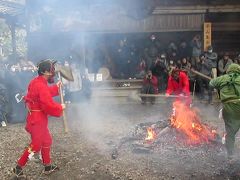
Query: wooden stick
(163, 131)
(161, 95)
(201, 74)
(194, 89)
(62, 102)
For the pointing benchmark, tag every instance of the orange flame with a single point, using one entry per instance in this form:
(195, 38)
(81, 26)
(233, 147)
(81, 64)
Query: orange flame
(151, 135)
(187, 121)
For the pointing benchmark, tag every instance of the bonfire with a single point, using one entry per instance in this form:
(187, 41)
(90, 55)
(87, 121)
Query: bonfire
(187, 122)
(184, 125)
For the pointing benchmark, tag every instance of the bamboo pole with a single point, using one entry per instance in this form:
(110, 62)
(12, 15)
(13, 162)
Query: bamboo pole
(200, 74)
(62, 102)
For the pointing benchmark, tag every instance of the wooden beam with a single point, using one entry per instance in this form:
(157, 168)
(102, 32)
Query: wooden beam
(195, 9)
(226, 26)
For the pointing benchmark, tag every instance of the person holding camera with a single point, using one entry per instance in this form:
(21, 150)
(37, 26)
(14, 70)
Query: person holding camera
(213, 57)
(196, 49)
(159, 69)
(205, 67)
(150, 86)
(224, 63)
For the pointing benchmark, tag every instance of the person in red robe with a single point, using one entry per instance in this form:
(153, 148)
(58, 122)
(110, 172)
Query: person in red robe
(178, 84)
(150, 86)
(40, 105)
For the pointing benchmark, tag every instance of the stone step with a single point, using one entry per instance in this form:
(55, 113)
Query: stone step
(103, 88)
(118, 83)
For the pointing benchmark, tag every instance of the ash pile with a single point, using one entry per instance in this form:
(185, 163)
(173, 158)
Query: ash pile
(179, 142)
(159, 137)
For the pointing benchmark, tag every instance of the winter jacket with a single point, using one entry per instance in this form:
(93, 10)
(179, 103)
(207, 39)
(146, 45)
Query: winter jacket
(228, 84)
(222, 67)
(206, 67)
(213, 57)
(153, 82)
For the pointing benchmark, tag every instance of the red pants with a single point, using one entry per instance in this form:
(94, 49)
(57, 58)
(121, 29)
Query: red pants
(41, 140)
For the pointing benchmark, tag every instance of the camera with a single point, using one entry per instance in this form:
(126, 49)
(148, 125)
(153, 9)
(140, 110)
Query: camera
(149, 76)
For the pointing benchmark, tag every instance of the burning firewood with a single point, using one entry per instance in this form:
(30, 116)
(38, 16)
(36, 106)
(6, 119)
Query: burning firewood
(187, 121)
(184, 122)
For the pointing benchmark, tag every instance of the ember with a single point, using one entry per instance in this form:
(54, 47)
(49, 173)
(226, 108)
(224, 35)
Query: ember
(151, 135)
(186, 121)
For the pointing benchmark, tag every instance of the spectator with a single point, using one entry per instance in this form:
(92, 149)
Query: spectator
(171, 66)
(150, 86)
(86, 91)
(179, 64)
(185, 64)
(224, 63)
(151, 51)
(141, 69)
(173, 57)
(73, 88)
(205, 67)
(196, 45)
(3, 104)
(122, 59)
(159, 69)
(212, 56)
(183, 51)
(237, 59)
(172, 48)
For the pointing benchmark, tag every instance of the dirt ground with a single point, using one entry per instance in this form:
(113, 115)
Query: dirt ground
(85, 152)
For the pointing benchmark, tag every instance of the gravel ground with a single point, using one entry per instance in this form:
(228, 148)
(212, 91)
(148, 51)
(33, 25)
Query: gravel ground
(85, 152)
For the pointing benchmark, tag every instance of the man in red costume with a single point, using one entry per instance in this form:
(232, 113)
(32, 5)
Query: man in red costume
(40, 104)
(178, 84)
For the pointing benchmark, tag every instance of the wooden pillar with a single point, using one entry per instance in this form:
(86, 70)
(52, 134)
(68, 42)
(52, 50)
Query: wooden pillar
(83, 52)
(207, 35)
(27, 23)
(13, 35)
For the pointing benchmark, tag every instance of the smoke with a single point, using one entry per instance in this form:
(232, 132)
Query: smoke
(104, 121)
(65, 29)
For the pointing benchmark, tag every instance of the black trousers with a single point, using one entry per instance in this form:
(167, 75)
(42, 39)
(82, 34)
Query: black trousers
(162, 83)
(204, 83)
(148, 89)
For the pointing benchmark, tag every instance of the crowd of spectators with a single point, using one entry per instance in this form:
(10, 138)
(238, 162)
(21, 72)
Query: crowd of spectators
(151, 61)
(160, 60)
(14, 79)
(14, 76)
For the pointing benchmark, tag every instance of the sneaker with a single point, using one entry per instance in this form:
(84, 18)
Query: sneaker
(50, 169)
(18, 172)
(37, 158)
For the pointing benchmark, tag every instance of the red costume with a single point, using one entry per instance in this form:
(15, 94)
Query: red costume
(179, 87)
(153, 82)
(40, 104)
